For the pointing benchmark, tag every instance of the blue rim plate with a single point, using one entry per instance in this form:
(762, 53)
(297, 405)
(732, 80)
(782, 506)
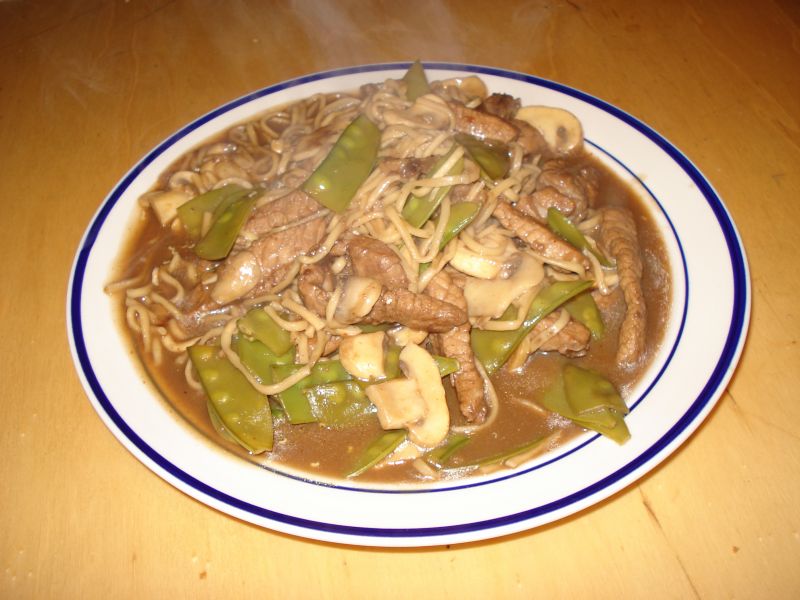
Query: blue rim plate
(704, 336)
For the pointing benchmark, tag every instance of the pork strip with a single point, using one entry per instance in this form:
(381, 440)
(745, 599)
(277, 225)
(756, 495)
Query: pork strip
(482, 125)
(455, 343)
(417, 311)
(540, 239)
(618, 236)
(572, 341)
(373, 258)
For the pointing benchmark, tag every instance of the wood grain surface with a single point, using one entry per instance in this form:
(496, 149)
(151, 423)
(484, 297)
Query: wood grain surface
(87, 87)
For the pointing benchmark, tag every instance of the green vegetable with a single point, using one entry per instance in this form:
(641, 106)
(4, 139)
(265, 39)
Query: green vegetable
(340, 403)
(439, 456)
(293, 399)
(503, 456)
(494, 348)
(220, 238)
(461, 215)
(446, 365)
(562, 227)
(258, 358)
(336, 180)
(259, 325)
(419, 209)
(583, 309)
(589, 400)
(239, 408)
(191, 213)
(416, 81)
(490, 155)
(378, 450)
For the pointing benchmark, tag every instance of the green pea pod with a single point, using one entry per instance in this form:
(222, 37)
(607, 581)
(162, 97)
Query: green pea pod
(416, 81)
(391, 362)
(219, 240)
(583, 309)
(446, 365)
(378, 450)
(439, 456)
(563, 228)
(491, 156)
(418, 209)
(587, 401)
(494, 348)
(259, 325)
(461, 215)
(502, 457)
(258, 358)
(340, 403)
(294, 401)
(336, 180)
(243, 412)
(191, 213)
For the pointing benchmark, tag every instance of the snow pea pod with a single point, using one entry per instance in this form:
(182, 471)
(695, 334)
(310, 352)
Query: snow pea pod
(339, 403)
(416, 81)
(493, 348)
(563, 228)
(258, 358)
(219, 240)
(378, 450)
(240, 408)
(461, 215)
(419, 209)
(490, 155)
(294, 401)
(583, 309)
(589, 400)
(259, 325)
(438, 457)
(336, 180)
(191, 213)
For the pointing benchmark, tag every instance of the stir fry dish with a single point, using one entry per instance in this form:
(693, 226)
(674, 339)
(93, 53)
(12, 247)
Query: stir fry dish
(412, 281)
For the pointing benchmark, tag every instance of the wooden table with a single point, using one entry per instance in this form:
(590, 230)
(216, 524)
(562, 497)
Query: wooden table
(87, 87)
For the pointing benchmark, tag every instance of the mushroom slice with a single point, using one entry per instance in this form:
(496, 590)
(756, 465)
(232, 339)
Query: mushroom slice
(561, 129)
(359, 295)
(490, 298)
(399, 402)
(362, 355)
(241, 275)
(165, 204)
(418, 365)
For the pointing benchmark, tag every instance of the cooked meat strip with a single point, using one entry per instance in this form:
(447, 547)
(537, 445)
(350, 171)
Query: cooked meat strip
(618, 236)
(407, 168)
(373, 258)
(455, 343)
(481, 124)
(416, 311)
(540, 239)
(535, 205)
(574, 179)
(288, 209)
(315, 284)
(500, 105)
(263, 263)
(572, 341)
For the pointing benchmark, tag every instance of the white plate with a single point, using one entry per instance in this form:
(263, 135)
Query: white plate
(704, 338)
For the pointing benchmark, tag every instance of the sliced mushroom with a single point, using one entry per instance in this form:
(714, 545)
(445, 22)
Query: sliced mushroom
(483, 266)
(359, 295)
(399, 402)
(418, 365)
(490, 298)
(165, 204)
(362, 355)
(561, 129)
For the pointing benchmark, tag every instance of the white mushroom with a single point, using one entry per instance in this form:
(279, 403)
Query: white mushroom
(482, 265)
(490, 298)
(403, 336)
(416, 402)
(359, 295)
(165, 204)
(362, 355)
(560, 128)
(238, 277)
